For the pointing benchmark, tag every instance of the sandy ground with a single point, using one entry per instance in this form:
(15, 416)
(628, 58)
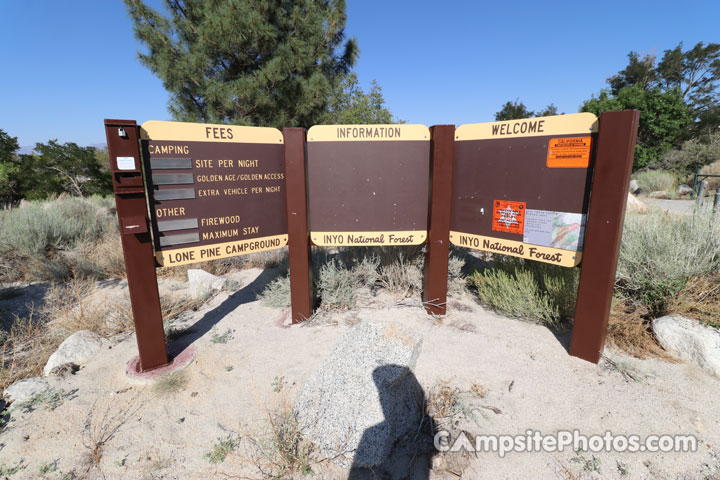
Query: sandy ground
(109, 427)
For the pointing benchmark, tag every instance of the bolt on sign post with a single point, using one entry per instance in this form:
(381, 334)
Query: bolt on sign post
(215, 191)
(368, 184)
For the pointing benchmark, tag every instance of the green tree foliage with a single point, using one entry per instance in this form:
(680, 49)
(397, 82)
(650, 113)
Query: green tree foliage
(9, 167)
(70, 168)
(351, 105)
(51, 169)
(640, 71)
(517, 110)
(663, 118)
(694, 73)
(265, 62)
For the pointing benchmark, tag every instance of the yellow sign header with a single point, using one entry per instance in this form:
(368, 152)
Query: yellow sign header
(367, 133)
(576, 123)
(207, 132)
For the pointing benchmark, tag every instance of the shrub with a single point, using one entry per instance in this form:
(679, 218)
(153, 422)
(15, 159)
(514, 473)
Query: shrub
(342, 275)
(277, 293)
(56, 239)
(338, 282)
(529, 290)
(661, 252)
(221, 449)
(403, 277)
(693, 154)
(656, 180)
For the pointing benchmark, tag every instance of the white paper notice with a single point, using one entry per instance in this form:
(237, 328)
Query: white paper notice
(554, 229)
(125, 163)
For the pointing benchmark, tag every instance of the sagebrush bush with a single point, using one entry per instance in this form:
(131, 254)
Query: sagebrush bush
(277, 293)
(656, 180)
(661, 251)
(403, 277)
(533, 291)
(338, 283)
(55, 239)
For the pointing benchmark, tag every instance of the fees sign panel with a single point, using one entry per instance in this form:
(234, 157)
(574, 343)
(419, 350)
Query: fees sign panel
(522, 187)
(215, 191)
(368, 184)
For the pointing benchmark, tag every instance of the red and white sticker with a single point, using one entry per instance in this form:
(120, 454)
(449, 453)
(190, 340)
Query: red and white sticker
(508, 216)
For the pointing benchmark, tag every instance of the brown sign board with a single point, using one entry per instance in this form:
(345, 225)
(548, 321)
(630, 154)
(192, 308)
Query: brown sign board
(368, 184)
(522, 187)
(215, 191)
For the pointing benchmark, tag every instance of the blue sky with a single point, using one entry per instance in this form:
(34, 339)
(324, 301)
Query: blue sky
(67, 65)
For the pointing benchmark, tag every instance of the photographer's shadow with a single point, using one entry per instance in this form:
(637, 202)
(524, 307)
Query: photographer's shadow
(404, 408)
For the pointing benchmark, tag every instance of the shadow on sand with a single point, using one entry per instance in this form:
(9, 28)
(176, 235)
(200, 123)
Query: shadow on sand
(245, 295)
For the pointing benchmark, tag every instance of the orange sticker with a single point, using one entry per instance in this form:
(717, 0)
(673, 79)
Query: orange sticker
(573, 152)
(508, 216)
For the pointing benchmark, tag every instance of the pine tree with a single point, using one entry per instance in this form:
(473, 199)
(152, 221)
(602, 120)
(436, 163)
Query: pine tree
(249, 62)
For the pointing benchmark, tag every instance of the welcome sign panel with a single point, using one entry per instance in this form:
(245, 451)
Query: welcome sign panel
(215, 191)
(368, 184)
(521, 187)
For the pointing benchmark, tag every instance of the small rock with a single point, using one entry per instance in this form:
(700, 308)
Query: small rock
(634, 205)
(684, 190)
(634, 186)
(65, 369)
(364, 396)
(24, 390)
(689, 340)
(202, 282)
(78, 348)
(661, 194)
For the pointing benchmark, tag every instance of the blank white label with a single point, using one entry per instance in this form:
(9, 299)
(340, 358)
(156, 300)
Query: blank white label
(126, 163)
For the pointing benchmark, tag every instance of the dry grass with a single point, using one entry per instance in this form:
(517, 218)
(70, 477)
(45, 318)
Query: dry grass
(630, 324)
(68, 308)
(629, 329)
(277, 450)
(442, 400)
(104, 419)
(25, 350)
(444, 405)
(700, 299)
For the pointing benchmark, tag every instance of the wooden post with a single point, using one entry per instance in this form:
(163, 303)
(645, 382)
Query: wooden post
(125, 164)
(608, 198)
(442, 150)
(298, 235)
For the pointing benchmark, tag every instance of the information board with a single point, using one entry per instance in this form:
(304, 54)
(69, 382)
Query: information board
(521, 187)
(215, 191)
(368, 184)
